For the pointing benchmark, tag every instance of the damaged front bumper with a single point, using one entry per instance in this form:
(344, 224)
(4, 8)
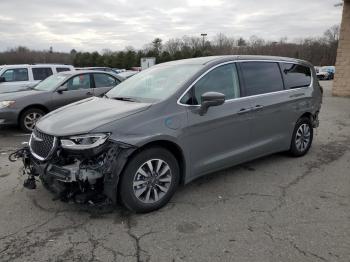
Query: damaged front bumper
(84, 176)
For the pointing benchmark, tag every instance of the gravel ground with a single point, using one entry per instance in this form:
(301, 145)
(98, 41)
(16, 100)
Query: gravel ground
(273, 209)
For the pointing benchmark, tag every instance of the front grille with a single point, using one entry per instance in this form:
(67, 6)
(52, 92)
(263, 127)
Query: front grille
(41, 145)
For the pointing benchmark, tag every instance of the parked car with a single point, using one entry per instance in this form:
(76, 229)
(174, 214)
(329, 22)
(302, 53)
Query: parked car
(136, 68)
(325, 73)
(127, 74)
(20, 77)
(117, 70)
(106, 69)
(24, 108)
(173, 123)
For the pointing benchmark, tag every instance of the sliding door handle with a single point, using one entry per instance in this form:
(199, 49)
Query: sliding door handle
(258, 107)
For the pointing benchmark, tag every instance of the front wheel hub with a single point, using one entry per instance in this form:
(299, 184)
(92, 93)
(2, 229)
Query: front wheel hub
(152, 181)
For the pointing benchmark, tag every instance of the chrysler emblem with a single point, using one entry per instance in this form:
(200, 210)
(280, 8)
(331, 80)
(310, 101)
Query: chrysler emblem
(36, 138)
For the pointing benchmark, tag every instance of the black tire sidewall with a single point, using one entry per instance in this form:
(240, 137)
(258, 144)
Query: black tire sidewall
(126, 193)
(23, 115)
(293, 148)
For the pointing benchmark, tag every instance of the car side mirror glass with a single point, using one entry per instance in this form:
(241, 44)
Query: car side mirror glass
(2, 79)
(62, 88)
(209, 99)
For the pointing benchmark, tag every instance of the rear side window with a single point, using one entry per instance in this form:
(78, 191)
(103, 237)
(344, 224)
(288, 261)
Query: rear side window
(296, 76)
(16, 74)
(79, 82)
(261, 78)
(62, 69)
(222, 79)
(104, 80)
(40, 73)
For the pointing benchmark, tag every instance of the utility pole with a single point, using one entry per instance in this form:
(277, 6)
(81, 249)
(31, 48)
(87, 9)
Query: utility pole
(204, 35)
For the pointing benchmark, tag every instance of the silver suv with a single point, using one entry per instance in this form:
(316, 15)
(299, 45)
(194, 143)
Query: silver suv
(171, 124)
(19, 77)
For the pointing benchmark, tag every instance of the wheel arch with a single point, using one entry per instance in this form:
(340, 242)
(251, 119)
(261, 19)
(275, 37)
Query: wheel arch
(33, 106)
(308, 115)
(174, 148)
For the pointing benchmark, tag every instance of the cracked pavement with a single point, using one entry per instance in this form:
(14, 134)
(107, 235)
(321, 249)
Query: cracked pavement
(276, 208)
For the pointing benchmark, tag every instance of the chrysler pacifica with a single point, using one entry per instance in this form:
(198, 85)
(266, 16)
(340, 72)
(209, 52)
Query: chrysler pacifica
(171, 124)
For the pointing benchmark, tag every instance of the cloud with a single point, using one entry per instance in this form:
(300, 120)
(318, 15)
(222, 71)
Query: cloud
(114, 24)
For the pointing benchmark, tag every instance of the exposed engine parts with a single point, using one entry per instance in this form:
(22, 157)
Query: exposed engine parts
(92, 177)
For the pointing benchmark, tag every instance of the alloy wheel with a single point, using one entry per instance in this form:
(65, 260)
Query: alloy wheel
(31, 119)
(303, 137)
(152, 181)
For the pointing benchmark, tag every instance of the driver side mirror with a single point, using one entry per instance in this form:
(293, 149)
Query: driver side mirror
(209, 99)
(61, 89)
(2, 79)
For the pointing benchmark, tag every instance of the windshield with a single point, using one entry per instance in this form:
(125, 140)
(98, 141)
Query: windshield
(155, 83)
(326, 69)
(51, 83)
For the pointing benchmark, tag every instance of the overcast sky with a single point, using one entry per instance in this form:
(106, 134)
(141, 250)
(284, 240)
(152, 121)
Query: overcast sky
(95, 25)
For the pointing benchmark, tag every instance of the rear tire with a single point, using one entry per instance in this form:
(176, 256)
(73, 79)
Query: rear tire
(29, 118)
(302, 137)
(149, 180)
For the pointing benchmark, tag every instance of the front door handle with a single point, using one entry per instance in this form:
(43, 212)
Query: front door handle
(244, 110)
(89, 93)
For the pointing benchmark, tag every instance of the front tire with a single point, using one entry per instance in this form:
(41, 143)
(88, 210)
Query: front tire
(29, 118)
(302, 137)
(149, 180)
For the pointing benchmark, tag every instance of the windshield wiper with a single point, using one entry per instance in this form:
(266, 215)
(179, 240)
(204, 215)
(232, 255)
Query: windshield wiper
(123, 98)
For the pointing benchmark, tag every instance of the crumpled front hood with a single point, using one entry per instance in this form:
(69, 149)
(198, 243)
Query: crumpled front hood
(83, 116)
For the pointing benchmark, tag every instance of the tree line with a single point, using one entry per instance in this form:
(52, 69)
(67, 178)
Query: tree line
(318, 50)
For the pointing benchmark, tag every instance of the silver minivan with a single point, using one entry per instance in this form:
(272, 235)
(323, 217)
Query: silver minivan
(173, 123)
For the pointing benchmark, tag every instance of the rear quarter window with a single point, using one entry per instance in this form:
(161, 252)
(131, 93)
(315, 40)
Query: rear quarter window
(104, 80)
(261, 77)
(295, 76)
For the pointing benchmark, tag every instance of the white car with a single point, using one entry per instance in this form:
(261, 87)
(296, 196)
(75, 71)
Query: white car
(325, 72)
(19, 77)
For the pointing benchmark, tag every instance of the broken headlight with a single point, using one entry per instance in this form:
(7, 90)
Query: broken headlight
(82, 142)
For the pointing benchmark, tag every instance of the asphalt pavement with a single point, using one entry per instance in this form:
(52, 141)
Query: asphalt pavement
(276, 208)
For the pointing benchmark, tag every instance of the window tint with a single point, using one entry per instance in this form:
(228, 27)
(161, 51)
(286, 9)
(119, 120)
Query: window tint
(222, 79)
(79, 82)
(41, 73)
(103, 80)
(295, 75)
(261, 77)
(16, 74)
(62, 69)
